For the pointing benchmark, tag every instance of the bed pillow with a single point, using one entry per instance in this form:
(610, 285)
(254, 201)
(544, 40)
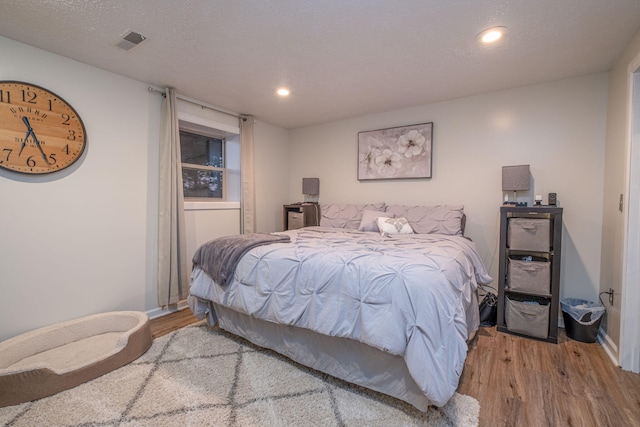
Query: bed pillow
(368, 222)
(440, 219)
(389, 226)
(347, 216)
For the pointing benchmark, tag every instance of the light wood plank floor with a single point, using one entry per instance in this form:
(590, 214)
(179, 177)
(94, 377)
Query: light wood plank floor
(523, 382)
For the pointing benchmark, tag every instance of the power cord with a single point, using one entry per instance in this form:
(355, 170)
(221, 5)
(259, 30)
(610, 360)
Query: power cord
(610, 293)
(484, 291)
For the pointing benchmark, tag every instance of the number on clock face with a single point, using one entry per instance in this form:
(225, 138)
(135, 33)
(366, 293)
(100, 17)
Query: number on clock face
(39, 131)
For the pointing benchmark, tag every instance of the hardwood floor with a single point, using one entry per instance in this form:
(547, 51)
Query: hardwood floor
(169, 323)
(523, 382)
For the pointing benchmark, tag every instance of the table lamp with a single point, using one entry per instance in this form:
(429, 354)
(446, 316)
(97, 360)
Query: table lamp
(515, 178)
(310, 189)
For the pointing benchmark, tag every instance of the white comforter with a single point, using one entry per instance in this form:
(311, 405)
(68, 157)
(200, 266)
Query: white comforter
(407, 294)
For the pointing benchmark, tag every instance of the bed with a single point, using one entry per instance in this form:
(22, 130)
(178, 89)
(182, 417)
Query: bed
(380, 296)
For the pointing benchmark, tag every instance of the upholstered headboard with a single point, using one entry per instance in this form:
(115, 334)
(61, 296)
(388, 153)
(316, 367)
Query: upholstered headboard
(439, 219)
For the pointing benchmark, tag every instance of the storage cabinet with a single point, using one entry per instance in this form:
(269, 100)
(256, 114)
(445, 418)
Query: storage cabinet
(529, 271)
(300, 215)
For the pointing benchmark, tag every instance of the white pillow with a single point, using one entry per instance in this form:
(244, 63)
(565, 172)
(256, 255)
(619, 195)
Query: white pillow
(388, 226)
(370, 218)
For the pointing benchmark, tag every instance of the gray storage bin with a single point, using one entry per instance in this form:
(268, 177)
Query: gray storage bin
(529, 276)
(529, 234)
(528, 319)
(296, 220)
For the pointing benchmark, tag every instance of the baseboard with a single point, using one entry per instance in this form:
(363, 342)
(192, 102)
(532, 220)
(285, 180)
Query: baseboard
(609, 346)
(163, 311)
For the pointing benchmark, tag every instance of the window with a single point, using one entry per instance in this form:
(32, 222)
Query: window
(210, 157)
(203, 165)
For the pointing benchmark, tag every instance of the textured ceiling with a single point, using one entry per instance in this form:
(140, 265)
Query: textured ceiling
(340, 58)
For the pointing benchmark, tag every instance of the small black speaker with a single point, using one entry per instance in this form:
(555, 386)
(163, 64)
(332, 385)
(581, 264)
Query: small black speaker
(552, 199)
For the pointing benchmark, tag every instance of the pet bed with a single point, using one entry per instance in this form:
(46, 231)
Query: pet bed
(54, 358)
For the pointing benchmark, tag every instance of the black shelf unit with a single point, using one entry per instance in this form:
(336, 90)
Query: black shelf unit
(552, 255)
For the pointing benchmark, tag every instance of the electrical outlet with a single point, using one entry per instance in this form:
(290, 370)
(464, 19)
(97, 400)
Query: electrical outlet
(610, 296)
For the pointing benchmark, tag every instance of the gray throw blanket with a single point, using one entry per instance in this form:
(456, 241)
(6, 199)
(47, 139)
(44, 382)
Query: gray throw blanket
(219, 257)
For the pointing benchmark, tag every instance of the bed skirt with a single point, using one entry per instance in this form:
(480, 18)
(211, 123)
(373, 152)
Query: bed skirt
(343, 358)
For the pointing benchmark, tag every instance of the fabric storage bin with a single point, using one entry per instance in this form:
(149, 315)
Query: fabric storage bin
(296, 220)
(529, 276)
(529, 234)
(527, 319)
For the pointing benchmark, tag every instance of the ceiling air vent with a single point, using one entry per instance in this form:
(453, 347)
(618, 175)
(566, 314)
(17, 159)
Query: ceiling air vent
(129, 40)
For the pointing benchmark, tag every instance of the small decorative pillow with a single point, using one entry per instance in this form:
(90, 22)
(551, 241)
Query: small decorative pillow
(388, 226)
(370, 218)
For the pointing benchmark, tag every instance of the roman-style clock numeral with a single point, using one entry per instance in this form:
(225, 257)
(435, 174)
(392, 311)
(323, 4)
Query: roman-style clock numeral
(5, 96)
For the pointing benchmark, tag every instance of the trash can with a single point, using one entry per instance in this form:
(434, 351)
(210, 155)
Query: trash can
(581, 318)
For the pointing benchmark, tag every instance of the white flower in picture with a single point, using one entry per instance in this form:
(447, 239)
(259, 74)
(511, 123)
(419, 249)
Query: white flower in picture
(373, 147)
(411, 143)
(388, 162)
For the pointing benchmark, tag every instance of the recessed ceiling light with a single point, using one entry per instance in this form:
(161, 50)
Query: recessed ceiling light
(283, 91)
(491, 35)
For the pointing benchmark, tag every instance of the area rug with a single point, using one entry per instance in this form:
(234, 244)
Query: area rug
(202, 376)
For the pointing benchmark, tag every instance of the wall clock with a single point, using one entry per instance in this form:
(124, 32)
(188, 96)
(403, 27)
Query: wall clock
(40, 132)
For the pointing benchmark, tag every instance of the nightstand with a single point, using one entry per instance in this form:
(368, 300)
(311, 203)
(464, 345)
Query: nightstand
(300, 215)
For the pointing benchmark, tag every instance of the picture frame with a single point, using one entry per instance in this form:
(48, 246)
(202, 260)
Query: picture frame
(402, 152)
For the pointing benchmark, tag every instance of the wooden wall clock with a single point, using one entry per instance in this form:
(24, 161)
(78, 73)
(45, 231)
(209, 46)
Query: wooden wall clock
(40, 132)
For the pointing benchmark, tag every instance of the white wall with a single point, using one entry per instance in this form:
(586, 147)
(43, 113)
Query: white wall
(558, 128)
(84, 240)
(80, 241)
(205, 224)
(271, 149)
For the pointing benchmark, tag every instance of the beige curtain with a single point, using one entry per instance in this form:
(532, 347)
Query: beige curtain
(248, 203)
(173, 274)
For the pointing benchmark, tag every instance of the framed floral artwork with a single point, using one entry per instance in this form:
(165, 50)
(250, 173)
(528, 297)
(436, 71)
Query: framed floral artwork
(400, 152)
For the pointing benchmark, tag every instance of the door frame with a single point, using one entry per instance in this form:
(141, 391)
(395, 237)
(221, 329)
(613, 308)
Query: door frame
(629, 355)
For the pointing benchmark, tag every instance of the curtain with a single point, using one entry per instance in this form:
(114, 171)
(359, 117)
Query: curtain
(173, 274)
(248, 201)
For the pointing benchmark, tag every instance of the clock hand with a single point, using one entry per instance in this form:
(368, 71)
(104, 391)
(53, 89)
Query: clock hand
(30, 131)
(24, 142)
(44, 156)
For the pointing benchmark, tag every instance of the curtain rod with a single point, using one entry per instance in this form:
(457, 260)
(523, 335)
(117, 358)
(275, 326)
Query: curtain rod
(204, 107)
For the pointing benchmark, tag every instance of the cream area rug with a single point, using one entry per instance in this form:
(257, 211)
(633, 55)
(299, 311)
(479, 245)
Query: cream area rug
(202, 376)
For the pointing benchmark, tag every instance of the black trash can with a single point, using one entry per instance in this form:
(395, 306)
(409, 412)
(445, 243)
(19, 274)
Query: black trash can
(581, 318)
